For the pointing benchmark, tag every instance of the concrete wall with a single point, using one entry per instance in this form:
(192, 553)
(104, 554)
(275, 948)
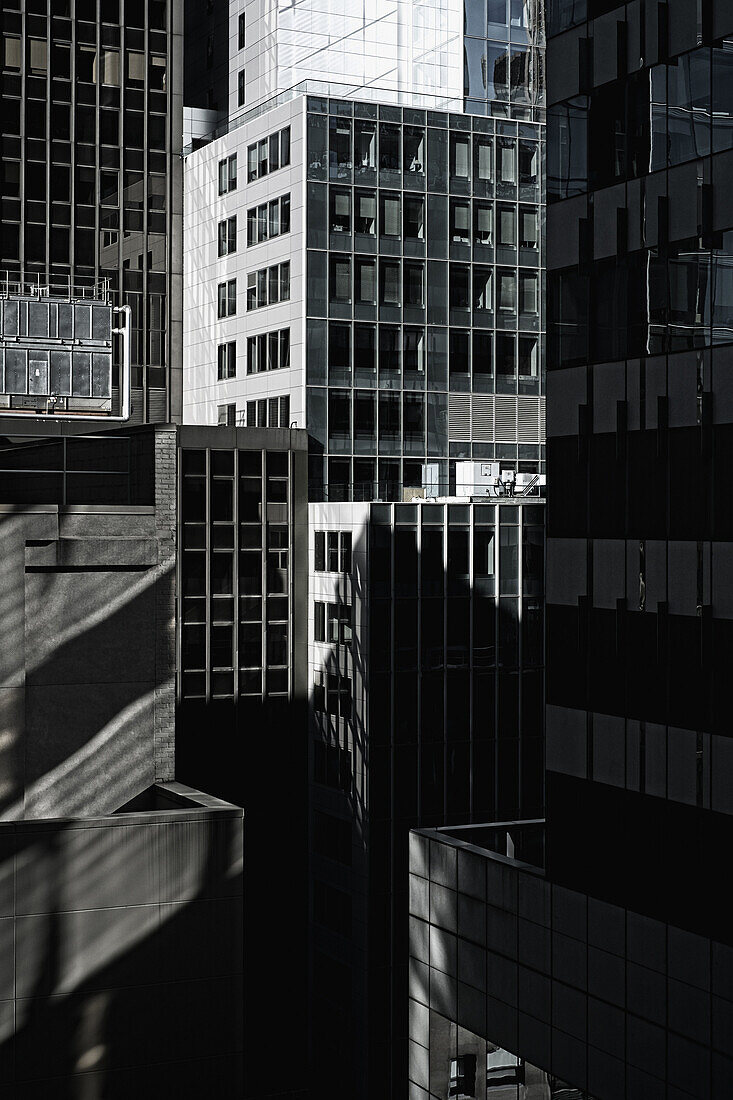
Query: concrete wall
(87, 650)
(121, 952)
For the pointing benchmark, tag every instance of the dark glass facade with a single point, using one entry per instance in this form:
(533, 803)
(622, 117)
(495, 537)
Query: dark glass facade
(427, 707)
(611, 967)
(425, 309)
(91, 179)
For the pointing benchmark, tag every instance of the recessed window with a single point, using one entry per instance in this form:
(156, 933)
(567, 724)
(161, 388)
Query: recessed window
(228, 236)
(241, 29)
(240, 88)
(268, 220)
(228, 174)
(268, 285)
(227, 298)
(227, 361)
(227, 416)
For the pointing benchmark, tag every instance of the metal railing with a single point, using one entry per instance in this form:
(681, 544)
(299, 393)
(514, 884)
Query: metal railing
(13, 285)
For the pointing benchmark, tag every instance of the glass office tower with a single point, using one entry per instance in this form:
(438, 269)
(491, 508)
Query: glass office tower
(607, 969)
(91, 176)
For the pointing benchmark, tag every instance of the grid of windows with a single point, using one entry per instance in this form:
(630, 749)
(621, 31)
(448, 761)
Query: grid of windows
(89, 145)
(268, 286)
(268, 154)
(424, 277)
(268, 351)
(235, 574)
(269, 219)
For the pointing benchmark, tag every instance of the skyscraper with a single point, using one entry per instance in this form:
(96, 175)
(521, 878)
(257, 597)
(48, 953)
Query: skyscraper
(607, 968)
(363, 258)
(91, 175)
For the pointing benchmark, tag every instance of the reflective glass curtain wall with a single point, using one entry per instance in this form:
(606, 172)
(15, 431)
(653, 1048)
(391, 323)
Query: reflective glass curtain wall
(425, 295)
(91, 178)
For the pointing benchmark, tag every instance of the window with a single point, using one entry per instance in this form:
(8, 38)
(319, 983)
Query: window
(268, 154)
(414, 149)
(507, 161)
(11, 53)
(527, 228)
(332, 551)
(319, 617)
(340, 211)
(228, 174)
(338, 624)
(340, 289)
(365, 212)
(273, 218)
(389, 147)
(273, 285)
(506, 226)
(365, 146)
(320, 551)
(284, 349)
(345, 551)
(482, 287)
(285, 282)
(528, 356)
(414, 218)
(528, 293)
(268, 286)
(528, 160)
(227, 360)
(251, 163)
(240, 88)
(389, 282)
(459, 156)
(227, 415)
(262, 158)
(459, 292)
(331, 764)
(482, 158)
(460, 222)
(413, 284)
(227, 298)
(228, 236)
(285, 147)
(241, 31)
(390, 216)
(507, 291)
(365, 281)
(482, 219)
(340, 162)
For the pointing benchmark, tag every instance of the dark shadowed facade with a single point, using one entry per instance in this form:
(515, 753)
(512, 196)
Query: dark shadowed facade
(125, 931)
(611, 969)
